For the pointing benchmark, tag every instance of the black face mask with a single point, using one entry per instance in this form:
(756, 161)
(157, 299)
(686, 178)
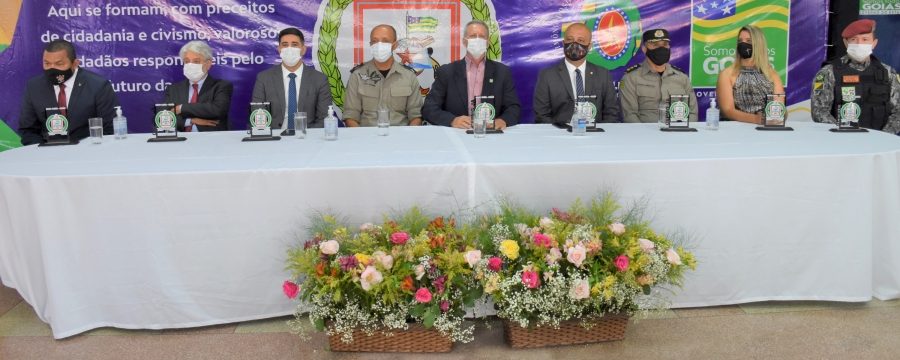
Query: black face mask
(58, 76)
(659, 56)
(745, 50)
(575, 51)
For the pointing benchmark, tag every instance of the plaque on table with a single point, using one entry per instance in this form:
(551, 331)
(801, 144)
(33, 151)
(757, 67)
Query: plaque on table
(165, 124)
(677, 117)
(775, 114)
(260, 128)
(57, 126)
(483, 110)
(584, 106)
(849, 112)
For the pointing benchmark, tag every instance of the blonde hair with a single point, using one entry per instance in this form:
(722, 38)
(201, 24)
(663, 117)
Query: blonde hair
(760, 55)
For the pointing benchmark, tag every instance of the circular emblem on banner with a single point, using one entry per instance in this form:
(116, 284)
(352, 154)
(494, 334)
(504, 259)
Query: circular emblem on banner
(165, 120)
(57, 124)
(484, 110)
(260, 119)
(775, 110)
(850, 112)
(616, 32)
(679, 111)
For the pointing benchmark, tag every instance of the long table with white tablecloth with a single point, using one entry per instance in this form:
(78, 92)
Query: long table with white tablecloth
(133, 234)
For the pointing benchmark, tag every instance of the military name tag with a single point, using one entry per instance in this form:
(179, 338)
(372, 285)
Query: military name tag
(851, 79)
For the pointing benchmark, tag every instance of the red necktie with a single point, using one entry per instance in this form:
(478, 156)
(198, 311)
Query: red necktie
(61, 99)
(193, 101)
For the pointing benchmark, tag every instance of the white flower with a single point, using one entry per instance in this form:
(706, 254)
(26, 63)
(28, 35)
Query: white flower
(366, 226)
(523, 230)
(646, 245)
(420, 271)
(581, 289)
(473, 257)
(617, 228)
(546, 222)
(329, 247)
(370, 276)
(576, 255)
(673, 257)
(386, 261)
(553, 256)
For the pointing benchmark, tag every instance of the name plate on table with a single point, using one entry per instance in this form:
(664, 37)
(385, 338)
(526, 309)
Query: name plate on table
(848, 118)
(260, 128)
(775, 114)
(165, 123)
(57, 126)
(678, 115)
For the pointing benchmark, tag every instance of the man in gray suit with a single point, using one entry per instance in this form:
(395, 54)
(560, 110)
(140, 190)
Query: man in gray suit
(292, 86)
(559, 85)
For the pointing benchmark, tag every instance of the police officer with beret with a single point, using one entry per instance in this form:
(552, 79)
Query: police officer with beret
(859, 77)
(646, 84)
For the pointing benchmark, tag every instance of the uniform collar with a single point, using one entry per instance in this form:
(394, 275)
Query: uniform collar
(648, 70)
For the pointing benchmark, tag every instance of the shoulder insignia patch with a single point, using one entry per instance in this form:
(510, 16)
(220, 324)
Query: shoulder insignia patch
(356, 67)
(633, 68)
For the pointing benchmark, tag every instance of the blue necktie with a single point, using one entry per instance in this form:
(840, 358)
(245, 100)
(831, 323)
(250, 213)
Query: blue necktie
(579, 84)
(292, 96)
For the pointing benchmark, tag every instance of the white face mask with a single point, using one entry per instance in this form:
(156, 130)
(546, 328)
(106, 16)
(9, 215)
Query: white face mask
(291, 56)
(193, 72)
(381, 51)
(859, 52)
(476, 47)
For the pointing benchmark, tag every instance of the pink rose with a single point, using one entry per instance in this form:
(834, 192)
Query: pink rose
(472, 257)
(445, 305)
(581, 289)
(576, 255)
(423, 295)
(541, 240)
(494, 264)
(370, 277)
(646, 245)
(617, 228)
(531, 279)
(673, 257)
(290, 289)
(621, 262)
(329, 247)
(553, 256)
(399, 238)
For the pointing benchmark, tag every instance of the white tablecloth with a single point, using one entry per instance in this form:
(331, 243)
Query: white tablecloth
(137, 235)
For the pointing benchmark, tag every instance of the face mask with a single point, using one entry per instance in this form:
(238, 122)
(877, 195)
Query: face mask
(859, 52)
(381, 51)
(575, 51)
(659, 56)
(290, 56)
(745, 50)
(58, 76)
(477, 47)
(193, 72)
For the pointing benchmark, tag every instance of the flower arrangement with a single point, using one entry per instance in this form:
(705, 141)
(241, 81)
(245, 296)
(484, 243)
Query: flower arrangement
(590, 260)
(413, 268)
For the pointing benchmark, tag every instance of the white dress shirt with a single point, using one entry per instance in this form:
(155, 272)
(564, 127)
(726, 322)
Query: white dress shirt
(571, 69)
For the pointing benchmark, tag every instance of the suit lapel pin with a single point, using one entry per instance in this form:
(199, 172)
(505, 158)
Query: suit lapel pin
(491, 80)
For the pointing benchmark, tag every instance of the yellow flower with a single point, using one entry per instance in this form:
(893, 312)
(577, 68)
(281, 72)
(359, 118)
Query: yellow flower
(363, 258)
(510, 249)
(595, 289)
(608, 294)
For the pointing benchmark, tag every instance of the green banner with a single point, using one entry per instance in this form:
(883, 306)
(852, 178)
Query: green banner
(879, 7)
(715, 29)
(8, 138)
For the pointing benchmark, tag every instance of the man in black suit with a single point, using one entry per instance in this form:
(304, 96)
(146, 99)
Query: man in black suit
(82, 93)
(292, 86)
(559, 85)
(201, 101)
(449, 102)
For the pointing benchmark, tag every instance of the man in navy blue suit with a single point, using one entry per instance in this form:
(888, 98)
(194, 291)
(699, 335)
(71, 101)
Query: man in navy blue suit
(82, 93)
(455, 84)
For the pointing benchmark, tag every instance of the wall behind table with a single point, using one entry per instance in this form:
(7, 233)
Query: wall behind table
(135, 43)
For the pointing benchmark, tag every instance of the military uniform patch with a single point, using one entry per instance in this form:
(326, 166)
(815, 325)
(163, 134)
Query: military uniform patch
(817, 85)
(820, 78)
(633, 68)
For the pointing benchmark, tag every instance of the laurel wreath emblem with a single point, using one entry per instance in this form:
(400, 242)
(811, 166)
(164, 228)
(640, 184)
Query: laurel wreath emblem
(328, 36)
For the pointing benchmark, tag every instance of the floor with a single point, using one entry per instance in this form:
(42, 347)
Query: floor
(770, 330)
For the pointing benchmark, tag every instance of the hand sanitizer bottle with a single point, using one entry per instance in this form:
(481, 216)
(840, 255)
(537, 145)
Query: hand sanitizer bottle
(712, 116)
(120, 124)
(331, 125)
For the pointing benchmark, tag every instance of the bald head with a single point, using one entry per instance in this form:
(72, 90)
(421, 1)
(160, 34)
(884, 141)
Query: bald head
(577, 32)
(383, 33)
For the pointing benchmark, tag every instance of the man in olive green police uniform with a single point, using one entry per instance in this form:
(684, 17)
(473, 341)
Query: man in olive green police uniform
(382, 81)
(644, 85)
(858, 77)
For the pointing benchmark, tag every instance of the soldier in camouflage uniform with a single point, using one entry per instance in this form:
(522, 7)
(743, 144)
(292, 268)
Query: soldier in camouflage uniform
(644, 85)
(859, 77)
(382, 81)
